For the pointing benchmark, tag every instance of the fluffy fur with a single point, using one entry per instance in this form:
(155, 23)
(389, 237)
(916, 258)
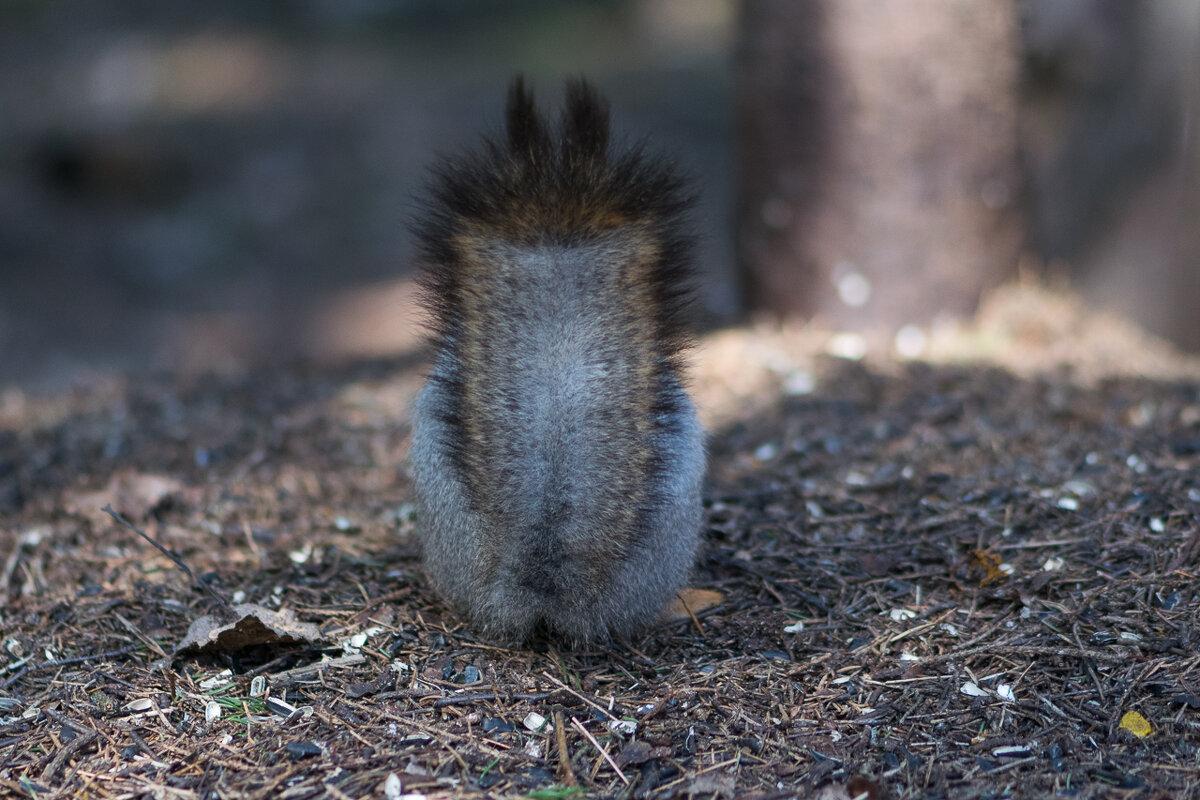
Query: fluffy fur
(557, 457)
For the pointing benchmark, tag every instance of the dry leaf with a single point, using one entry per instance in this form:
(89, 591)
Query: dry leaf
(254, 625)
(693, 600)
(639, 752)
(1136, 724)
(988, 563)
(857, 788)
(134, 494)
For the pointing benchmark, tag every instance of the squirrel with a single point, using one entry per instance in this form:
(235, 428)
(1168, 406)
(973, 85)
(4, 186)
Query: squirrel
(557, 458)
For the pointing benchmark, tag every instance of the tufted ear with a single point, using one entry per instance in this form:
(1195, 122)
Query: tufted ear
(585, 122)
(526, 129)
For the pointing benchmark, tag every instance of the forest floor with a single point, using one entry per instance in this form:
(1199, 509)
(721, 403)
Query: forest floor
(973, 576)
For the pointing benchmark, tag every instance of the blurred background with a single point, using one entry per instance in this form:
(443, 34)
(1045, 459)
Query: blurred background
(197, 186)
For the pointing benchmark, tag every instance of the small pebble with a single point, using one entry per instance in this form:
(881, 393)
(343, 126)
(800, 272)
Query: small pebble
(497, 725)
(299, 750)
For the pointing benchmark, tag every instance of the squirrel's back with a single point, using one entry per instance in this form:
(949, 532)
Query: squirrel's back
(557, 457)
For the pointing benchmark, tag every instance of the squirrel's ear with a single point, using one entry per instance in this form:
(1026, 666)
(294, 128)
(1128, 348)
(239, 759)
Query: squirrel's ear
(526, 131)
(585, 122)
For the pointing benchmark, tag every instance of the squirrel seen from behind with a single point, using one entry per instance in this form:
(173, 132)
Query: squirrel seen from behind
(557, 458)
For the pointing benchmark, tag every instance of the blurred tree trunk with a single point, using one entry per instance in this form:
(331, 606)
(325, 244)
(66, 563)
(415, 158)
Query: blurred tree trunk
(879, 170)
(1111, 153)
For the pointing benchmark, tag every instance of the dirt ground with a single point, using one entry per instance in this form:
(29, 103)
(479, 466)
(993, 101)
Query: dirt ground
(975, 576)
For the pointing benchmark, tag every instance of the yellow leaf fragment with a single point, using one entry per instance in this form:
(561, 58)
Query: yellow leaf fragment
(1136, 724)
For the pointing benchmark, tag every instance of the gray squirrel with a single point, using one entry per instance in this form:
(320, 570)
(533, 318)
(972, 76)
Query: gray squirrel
(557, 457)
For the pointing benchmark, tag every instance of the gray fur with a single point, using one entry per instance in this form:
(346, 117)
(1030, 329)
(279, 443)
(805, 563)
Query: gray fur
(560, 390)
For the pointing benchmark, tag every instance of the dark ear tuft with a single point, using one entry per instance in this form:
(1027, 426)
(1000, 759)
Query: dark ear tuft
(585, 122)
(526, 131)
